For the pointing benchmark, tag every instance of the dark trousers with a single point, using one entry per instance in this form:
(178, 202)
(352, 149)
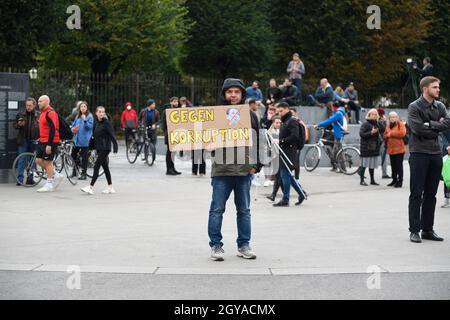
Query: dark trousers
(151, 134)
(353, 106)
(170, 165)
(297, 165)
(298, 84)
(83, 151)
(276, 185)
(129, 132)
(397, 166)
(424, 181)
(198, 162)
(102, 161)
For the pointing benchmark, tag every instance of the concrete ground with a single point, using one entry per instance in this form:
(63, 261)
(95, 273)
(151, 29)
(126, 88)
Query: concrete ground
(150, 241)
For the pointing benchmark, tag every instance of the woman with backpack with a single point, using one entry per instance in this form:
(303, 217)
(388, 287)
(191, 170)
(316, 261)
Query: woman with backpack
(101, 141)
(396, 149)
(371, 139)
(82, 128)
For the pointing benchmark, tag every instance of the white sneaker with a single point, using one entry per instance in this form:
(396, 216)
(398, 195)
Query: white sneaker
(109, 190)
(446, 203)
(217, 253)
(46, 188)
(88, 189)
(57, 180)
(267, 183)
(246, 253)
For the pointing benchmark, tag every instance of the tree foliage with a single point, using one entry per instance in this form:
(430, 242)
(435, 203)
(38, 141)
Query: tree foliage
(229, 38)
(334, 41)
(25, 26)
(118, 35)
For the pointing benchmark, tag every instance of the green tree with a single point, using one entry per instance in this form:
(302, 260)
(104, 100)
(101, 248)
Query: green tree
(117, 35)
(334, 41)
(25, 25)
(229, 38)
(437, 44)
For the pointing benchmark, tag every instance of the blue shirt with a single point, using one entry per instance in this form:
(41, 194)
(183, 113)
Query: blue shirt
(254, 94)
(150, 116)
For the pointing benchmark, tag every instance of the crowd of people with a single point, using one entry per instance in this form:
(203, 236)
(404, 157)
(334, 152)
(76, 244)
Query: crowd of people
(285, 134)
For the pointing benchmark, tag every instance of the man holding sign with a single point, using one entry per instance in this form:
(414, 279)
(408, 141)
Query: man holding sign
(233, 173)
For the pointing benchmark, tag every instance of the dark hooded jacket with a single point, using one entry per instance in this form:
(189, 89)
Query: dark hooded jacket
(371, 143)
(220, 167)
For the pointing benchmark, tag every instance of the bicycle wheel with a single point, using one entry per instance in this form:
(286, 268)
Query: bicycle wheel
(132, 152)
(151, 154)
(69, 167)
(29, 170)
(92, 158)
(312, 158)
(349, 160)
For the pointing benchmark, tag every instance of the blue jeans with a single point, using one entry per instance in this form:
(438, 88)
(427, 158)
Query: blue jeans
(298, 84)
(287, 181)
(27, 146)
(222, 187)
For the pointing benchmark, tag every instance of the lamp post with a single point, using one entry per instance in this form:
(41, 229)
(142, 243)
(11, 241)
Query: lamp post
(33, 74)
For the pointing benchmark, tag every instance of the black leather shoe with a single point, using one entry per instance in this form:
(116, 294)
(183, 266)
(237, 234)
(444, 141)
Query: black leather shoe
(431, 235)
(398, 185)
(82, 176)
(392, 184)
(176, 172)
(414, 237)
(30, 182)
(300, 200)
(363, 183)
(373, 183)
(271, 197)
(282, 203)
(171, 173)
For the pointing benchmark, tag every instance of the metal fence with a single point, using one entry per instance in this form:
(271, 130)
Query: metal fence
(65, 88)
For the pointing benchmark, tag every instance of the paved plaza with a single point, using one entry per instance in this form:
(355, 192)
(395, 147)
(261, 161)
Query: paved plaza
(150, 241)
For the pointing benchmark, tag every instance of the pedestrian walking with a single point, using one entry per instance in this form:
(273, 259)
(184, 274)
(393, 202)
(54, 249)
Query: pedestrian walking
(103, 137)
(371, 140)
(48, 141)
(395, 147)
(427, 117)
(290, 135)
(82, 128)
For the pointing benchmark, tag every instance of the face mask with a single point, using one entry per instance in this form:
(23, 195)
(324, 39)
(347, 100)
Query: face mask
(128, 107)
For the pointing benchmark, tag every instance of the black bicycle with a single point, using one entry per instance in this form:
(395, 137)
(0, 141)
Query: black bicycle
(142, 144)
(33, 174)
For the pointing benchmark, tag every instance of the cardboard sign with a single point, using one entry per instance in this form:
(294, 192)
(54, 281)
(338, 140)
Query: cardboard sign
(209, 127)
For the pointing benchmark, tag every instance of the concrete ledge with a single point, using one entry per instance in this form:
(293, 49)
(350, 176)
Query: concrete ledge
(215, 270)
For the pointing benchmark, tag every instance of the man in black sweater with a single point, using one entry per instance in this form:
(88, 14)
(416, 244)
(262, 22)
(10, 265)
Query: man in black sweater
(427, 117)
(289, 142)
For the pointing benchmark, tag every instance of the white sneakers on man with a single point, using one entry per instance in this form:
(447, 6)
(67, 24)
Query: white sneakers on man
(88, 189)
(46, 188)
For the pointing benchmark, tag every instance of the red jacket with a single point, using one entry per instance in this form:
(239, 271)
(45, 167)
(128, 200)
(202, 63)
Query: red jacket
(129, 119)
(49, 132)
